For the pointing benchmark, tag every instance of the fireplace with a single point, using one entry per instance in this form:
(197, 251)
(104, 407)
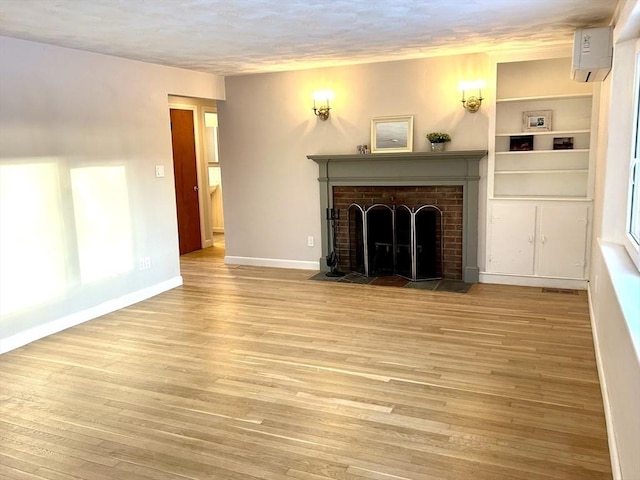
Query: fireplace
(421, 225)
(447, 181)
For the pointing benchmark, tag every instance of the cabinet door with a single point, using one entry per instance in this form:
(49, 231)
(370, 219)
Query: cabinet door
(562, 241)
(512, 239)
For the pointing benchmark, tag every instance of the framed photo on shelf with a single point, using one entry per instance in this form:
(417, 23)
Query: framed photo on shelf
(537, 121)
(520, 143)
(563, 143)
(392, 134)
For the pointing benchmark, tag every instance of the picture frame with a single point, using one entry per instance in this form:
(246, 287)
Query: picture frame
(537, 121)
(520, 143)
(392, 134)
(563, 143)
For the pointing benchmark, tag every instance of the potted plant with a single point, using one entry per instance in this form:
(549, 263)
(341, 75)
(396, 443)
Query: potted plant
(438, 140)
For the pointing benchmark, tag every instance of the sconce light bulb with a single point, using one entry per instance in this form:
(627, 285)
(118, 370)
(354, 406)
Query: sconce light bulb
(321, 105)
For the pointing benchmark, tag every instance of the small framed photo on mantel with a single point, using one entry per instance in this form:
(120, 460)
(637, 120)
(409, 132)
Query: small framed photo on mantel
(537, 121)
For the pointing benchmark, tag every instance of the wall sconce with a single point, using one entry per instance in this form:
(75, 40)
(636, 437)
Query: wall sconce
(473, 102)
(321, 105)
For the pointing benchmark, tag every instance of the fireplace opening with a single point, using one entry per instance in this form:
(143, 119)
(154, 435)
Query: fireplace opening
(401, 207)
(395, 240)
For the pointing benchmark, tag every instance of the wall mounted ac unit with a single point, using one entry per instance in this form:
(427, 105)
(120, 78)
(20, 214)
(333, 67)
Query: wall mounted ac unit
(592, 54)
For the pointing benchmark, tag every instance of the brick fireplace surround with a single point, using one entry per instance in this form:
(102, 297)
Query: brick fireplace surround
(447, 198)
(448, 180)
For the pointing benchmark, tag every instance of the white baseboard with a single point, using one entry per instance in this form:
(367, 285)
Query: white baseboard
(59, 324)
(527, 281)
(272, 262)
(616, 469)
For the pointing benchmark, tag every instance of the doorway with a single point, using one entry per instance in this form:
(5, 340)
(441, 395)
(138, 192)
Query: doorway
(210, 143)
(185, 169)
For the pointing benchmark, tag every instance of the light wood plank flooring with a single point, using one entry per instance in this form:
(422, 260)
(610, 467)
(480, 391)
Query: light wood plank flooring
(253, 373)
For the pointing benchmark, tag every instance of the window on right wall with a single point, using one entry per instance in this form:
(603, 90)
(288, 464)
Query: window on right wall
(633, 207)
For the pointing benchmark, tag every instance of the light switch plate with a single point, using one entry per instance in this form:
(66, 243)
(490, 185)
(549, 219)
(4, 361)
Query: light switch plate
(159, 171)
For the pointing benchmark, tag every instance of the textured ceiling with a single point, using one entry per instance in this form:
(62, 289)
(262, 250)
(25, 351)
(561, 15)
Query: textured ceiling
(231, 37)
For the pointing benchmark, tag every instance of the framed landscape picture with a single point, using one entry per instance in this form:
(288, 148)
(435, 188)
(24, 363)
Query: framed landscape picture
(392, 134)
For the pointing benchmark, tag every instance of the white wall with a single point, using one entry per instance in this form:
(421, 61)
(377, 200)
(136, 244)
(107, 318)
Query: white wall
(267, 128)
(614, 283)
(80, 135)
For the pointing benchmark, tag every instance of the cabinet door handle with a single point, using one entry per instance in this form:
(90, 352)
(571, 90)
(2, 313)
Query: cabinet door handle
(543, 238)
(530, 238)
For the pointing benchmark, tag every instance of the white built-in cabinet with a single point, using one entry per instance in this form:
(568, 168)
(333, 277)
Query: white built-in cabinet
(544, 240)
(540, 200)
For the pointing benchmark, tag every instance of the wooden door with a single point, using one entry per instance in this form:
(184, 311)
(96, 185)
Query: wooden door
(186, 179)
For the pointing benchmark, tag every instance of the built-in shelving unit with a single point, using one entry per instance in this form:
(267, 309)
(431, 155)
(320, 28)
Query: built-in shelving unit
(543, 171)
(539, 202)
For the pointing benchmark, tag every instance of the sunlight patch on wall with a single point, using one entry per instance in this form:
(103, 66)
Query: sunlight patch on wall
(32, 251)
(103, 221)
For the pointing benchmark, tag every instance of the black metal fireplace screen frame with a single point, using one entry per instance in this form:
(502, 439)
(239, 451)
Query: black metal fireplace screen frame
(410, 245)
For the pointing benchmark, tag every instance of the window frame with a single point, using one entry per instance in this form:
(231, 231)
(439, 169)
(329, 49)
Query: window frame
(631, 241)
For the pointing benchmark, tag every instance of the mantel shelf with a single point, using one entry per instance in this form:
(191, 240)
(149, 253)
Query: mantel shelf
(426, 156)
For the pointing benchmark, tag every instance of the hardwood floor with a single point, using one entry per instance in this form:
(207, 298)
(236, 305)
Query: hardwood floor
(254, 373)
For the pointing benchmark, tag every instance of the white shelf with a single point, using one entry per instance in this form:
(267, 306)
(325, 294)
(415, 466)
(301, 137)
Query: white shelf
(558, 132)
(546, 97)
(545, 198)
(521, 172)
(542, 198)
(529, 152)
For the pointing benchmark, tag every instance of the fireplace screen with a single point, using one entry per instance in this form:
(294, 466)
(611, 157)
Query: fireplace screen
(395, 240)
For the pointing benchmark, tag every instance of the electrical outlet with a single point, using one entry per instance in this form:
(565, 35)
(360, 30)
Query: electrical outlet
(144, 263)
(310, 241)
